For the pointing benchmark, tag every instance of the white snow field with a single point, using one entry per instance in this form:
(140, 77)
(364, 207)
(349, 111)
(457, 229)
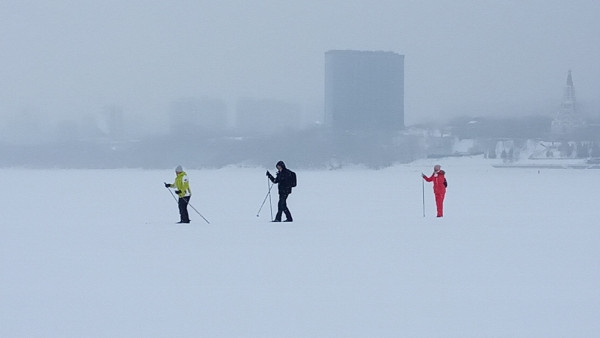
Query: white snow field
(97, 253)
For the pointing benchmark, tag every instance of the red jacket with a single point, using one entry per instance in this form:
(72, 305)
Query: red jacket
(438, 182)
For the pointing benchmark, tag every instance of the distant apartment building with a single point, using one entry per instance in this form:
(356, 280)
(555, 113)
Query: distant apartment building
(111, 122)
(190, 116)
(266, 116)
(364, 91)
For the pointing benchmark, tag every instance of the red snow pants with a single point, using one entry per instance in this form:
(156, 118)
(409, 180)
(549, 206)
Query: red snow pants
(439, 202)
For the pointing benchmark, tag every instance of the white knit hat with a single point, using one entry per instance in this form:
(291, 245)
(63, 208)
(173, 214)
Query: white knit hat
(178, 169)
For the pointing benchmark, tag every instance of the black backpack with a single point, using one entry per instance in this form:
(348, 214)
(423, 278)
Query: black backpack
(445, 183)
(292, 179)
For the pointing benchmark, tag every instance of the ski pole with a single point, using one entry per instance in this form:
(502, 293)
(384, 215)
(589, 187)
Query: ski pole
(423, 193)
(264, 200)
(270, 203)
(207, 222)
(175, 198)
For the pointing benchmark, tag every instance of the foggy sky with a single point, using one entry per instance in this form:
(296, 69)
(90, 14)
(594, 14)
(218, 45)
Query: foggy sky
(63, 57)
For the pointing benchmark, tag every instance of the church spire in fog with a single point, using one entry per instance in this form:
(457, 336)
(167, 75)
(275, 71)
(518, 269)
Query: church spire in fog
(568, 119)
(569, 79)
(569, 96)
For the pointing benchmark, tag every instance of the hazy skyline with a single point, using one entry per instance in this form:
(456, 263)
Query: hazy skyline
(64, 58)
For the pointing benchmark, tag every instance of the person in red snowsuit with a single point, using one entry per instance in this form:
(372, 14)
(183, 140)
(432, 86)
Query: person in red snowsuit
(439, 187)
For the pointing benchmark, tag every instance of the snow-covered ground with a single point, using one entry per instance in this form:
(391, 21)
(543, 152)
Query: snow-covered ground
(97, 253)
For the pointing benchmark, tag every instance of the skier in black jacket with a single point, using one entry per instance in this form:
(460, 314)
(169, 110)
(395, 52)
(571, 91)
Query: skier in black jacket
(284, 181)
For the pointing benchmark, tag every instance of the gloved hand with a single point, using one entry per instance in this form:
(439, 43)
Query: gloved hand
(268, 174)
(178, 192)
(167, 185)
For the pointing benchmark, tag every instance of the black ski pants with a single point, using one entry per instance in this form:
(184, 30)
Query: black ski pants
(183, 212)
(282, 207)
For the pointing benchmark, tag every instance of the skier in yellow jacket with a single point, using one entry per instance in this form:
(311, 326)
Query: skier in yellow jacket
(182, 189)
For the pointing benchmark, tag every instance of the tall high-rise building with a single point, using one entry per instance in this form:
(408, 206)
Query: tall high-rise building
(364, 91)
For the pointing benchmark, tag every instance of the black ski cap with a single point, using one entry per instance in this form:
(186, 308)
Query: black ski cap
(281, 164)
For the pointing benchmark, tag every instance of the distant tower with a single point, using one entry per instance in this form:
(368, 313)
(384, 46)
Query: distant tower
(364, 91)
(568, 119)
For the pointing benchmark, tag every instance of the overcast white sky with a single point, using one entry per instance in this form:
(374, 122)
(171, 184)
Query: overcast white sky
(462, 56)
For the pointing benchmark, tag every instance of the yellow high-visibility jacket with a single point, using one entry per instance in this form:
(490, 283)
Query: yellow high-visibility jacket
(182, 184)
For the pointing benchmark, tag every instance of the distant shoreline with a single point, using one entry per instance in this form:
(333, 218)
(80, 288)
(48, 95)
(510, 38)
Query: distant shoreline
(548, 166)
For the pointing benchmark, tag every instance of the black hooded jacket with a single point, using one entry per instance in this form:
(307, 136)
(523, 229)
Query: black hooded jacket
(283, 179)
